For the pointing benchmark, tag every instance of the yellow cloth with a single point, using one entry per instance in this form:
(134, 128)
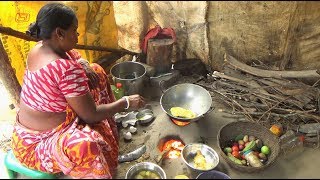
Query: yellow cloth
(97, 27)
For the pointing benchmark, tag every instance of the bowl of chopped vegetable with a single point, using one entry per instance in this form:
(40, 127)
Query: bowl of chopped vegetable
(146, 170)
(200, 157)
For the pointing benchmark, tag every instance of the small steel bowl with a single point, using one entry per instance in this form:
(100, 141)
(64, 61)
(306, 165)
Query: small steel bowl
(145, 116)
(213, 174)
(190, 151)
(148, 166)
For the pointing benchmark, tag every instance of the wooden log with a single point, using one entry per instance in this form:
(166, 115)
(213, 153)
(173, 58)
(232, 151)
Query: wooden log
(261, 94)
(21, 35)
(8, 76)
(159, 54)
(268, 73)
(162, 155)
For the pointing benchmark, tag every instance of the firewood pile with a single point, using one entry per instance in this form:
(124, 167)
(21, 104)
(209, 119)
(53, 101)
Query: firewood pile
(266, 96)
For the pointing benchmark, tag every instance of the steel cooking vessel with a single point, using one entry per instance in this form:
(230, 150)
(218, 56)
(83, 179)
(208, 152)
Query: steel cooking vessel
(131, 75)
(189, 96)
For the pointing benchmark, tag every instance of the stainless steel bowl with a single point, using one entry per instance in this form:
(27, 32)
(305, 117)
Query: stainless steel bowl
(189, 152)
(145, 116)
(213, 175)
(188, 96)
(145, 166)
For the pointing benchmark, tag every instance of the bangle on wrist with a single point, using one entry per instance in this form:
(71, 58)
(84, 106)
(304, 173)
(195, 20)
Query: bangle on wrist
(127, 100)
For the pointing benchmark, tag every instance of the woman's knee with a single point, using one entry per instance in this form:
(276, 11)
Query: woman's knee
(88, 160)
(82, 151)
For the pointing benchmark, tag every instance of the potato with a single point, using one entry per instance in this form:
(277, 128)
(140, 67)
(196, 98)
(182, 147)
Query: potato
(241, 142)
(246, 138)
(138, 176)
(142, 173)
(259, 143)
(146, 174)
(262, 156)
(154, 176)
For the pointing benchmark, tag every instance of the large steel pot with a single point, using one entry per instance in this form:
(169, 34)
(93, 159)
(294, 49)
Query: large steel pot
(131, 75)
(188, 96)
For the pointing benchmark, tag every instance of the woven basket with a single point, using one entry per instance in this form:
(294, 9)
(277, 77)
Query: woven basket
(231, 130)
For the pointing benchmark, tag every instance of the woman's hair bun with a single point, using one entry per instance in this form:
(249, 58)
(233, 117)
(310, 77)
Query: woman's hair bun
(33, 30)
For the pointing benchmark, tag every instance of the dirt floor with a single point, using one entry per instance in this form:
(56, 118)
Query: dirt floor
(295, 165)
(299, 165)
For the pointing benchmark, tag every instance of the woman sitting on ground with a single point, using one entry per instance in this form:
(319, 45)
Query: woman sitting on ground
(65, 120)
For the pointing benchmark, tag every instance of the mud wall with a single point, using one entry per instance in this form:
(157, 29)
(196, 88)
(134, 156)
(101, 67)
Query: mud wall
(283, 34)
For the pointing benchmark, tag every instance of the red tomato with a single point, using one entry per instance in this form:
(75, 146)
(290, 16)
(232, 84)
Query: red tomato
(236, 154)
(243, 157)
(235, 148)
(235, 144)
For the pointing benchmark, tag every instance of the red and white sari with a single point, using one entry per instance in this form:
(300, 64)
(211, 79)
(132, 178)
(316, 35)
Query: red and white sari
(74, 147)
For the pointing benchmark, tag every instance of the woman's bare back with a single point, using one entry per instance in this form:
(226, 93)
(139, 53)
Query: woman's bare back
(39, 57)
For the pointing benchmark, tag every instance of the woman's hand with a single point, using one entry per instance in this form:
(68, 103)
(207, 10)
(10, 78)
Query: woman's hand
(92, 76)
(136, 101)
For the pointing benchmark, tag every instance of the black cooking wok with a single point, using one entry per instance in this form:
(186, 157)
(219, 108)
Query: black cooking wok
(189, 96)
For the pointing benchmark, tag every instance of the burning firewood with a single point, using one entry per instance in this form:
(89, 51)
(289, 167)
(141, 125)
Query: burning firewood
(171, 149)
(160, 157)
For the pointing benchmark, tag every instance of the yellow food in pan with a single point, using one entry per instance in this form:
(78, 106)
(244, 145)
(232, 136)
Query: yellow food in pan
(181, 112)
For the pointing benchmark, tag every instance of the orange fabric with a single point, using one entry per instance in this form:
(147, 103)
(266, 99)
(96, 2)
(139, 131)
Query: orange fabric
(74, 147)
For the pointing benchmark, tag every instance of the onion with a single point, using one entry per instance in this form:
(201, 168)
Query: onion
(127, 135)
(132, 129)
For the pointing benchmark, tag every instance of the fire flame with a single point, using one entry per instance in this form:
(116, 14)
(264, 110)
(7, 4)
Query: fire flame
(174, 148)
(180, 123)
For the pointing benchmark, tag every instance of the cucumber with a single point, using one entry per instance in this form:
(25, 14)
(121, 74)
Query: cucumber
(239, 137)
(236, 160)
(227, 150)
(251, 145)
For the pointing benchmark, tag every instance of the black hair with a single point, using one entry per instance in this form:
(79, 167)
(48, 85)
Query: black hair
(50, 17)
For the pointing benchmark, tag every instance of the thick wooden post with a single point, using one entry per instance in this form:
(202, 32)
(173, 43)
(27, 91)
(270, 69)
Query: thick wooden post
(21, 35)
(159, 54)
(8, 76)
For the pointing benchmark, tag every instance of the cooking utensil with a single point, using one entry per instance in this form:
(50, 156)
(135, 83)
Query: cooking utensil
(148, 166)
(131, 75)
(188, 96)
(213, 174)
(190, 151)
(132, 155)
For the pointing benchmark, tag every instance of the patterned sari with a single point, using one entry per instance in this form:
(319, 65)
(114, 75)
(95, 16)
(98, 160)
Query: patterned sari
(74, 147)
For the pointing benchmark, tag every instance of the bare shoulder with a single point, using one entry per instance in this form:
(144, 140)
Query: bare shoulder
(39, 57)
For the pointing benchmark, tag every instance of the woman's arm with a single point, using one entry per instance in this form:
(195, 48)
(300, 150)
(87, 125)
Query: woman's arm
(87, 110)
(84, 105)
